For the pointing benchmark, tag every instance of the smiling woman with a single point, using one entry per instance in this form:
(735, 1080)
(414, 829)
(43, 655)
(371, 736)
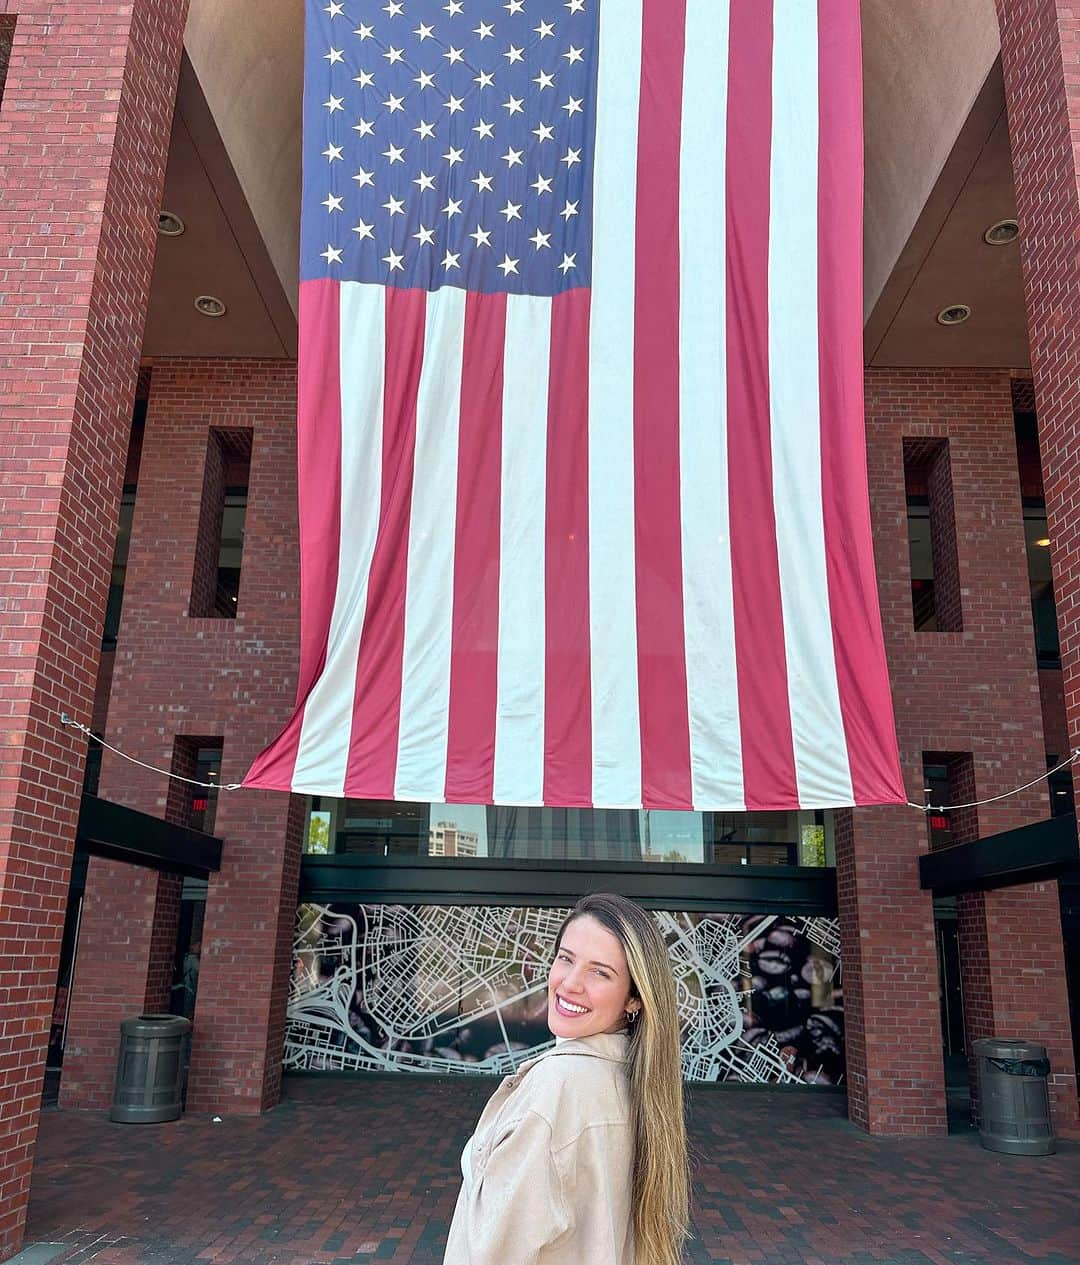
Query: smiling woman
(581, 1154)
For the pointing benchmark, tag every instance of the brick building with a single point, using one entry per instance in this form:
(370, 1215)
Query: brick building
(149, 590)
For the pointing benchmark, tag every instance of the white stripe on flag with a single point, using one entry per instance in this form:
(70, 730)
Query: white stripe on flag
(429, 586)
(519, 714)
(323, 751)
(820, 746)
(712, 684)
(616, 732)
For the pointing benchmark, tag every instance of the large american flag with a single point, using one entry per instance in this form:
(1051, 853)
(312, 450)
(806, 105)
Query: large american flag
(583, 503)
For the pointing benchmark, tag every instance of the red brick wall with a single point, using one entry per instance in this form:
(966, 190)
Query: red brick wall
(1039, 45)
(1040, 41)
(231, 678)
(948, 689)
(75, 261)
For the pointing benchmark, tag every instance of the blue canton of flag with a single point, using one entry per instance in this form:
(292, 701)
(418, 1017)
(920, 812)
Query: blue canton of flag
(450, 143)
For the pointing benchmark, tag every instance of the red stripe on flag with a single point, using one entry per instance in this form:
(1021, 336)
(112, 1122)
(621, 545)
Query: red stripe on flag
(377, 701)
(662, 702)
(474, 655)
(765, 719)
(567, 681)
(862, 674)
(319, 462)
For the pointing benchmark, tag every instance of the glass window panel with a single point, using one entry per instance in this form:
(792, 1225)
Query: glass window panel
(1043, 608)
(533, 833)
(921, 556)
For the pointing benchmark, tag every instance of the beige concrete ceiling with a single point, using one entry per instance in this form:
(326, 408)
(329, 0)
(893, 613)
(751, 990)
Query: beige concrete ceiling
(220, 253)
(937, 174)
(946, 260)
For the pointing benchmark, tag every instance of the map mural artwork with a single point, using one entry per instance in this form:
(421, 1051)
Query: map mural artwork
(462, 989)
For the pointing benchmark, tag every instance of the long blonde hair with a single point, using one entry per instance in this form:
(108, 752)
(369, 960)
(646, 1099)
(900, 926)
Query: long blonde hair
(661, 1183)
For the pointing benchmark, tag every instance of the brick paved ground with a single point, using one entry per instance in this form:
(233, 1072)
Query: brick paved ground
(366, 1170)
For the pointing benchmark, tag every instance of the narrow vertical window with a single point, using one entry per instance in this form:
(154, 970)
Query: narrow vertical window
(931, 517)
(215, 583)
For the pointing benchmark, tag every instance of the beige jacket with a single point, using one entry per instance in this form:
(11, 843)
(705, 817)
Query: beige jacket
(548, 1171)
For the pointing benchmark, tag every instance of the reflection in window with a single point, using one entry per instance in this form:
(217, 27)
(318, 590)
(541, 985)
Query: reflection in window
(389, 828)
(1060, 785)
(1043, 608)
(921, 553)
(203, 807)
(230, 552)
(119, 569)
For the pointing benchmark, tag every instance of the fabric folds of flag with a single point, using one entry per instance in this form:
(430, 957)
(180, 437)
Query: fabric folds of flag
(583, 505)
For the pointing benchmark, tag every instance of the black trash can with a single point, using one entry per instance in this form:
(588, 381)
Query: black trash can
(1014, 1097)
(150, 1069)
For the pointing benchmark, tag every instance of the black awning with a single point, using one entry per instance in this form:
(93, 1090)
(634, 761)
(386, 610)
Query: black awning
(1043, 850)
(125, 834)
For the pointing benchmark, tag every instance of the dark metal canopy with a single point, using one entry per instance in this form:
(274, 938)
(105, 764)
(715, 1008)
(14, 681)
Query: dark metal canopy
(125, 834)
(420, 880)
(1044, 850)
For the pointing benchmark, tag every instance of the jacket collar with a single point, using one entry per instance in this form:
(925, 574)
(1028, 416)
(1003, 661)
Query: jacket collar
(612, 1046)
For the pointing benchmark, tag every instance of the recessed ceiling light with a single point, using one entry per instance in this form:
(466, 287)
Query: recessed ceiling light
(208, 305)
(169, 224)
(1002, 233)
(954, 314)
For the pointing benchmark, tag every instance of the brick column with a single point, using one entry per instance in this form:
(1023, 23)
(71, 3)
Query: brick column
(84, 129)
(1040, 51)
(232, 679)
(895, 1073)
(948, 689)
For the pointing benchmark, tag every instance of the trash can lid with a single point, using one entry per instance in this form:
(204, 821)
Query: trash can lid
(156, 1026)
(1008, 1048)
